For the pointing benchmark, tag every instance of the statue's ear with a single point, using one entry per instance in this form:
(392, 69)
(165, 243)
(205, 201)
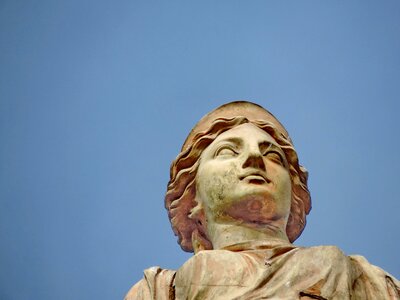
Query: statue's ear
(199, 236)
(198, 216)
(197, 212)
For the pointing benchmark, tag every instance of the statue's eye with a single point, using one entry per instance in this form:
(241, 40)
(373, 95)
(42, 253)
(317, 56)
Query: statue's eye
(274, 156)
(225, 151)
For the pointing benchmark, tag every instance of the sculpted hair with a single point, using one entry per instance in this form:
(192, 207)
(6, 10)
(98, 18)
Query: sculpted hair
(188, 221)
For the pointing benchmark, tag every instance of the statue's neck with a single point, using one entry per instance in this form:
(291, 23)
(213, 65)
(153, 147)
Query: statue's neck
(224, 235)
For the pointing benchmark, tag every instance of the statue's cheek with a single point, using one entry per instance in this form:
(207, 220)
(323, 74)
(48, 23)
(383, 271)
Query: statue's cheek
(218, 184)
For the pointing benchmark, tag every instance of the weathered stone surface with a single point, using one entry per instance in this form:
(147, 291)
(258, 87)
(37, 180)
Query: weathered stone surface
(238, 198)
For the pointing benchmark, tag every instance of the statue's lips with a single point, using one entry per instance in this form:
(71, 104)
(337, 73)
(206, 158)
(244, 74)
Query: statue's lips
(256, 178)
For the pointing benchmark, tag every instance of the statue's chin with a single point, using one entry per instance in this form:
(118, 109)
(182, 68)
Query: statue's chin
(255, 211)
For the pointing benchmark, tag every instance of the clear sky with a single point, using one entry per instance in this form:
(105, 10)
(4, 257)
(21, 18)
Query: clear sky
(97, 97)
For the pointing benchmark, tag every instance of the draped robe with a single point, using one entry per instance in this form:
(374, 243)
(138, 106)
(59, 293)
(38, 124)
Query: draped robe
(269, 270)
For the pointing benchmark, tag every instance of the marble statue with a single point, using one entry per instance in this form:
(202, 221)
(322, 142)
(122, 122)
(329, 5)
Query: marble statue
(238, 198)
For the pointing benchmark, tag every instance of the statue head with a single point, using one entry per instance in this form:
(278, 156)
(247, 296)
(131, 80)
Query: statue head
(241, 135)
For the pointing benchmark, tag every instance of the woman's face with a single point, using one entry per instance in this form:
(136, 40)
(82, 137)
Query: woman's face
(243, 177)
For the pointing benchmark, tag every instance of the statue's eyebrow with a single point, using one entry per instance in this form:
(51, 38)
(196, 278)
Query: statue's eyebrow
(266, 144)
(233, 140)
(270, 145)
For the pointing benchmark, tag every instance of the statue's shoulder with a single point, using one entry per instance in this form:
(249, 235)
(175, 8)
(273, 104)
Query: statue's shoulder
(374, 280)
(157, 283)
(326, 254)
(367, 281)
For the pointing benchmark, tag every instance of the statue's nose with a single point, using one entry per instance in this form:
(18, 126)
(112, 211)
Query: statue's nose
(254, 160)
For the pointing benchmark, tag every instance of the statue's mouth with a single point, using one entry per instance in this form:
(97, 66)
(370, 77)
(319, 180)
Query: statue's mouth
(255, 178)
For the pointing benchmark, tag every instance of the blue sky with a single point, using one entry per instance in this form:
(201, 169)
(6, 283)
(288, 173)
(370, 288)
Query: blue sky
(97, 97)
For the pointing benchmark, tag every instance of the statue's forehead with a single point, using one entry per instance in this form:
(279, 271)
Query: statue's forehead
(251, 111)
(246, 132)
